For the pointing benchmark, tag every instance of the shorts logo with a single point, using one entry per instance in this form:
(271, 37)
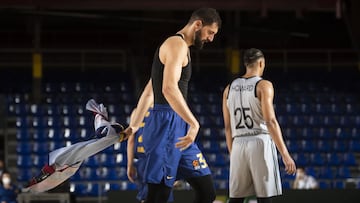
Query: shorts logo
(196, 164)
(169, 177)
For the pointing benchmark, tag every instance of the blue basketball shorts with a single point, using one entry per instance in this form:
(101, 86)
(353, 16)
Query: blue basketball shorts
(164, 162)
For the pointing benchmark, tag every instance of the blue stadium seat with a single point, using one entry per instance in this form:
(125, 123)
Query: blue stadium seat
(67, 121)
(40, 160)
(87, 173)
(324, 133)
(315, 120)
(307, 145)
(66, 110)
(121, 159)
(102, 173)
(24, 148)
(222, 184)
(334, 159)
(35, 110)
(283, 120)
(304, 106)
(349, 159)
(324, 184)
(292, 145)
(118, 173)
(286, 184)
(52, 122)
(340, 145)
(317, 159)
(326, 173)
(205, 121)
(107, 160)
(92, 161)
(222, 173)
(40, 148)
(87, 189)
(293, 109)
(301, 159)
(339, 184)
(323, 146)
(217, 121)
(343, 172)
(24, 161)
(38, 135)
(24, 175)
(223, 146)
(331, 120)
(354, 145)
(50, 110)
(112, 186)
(209, 146)
(215, 159)
(196, 98)
(312, 171)
(299, 120)
(215, 109)
(345, 133)
(214, 98)
(23, 134)
(53, 134)
(68, 134)
(17, 109)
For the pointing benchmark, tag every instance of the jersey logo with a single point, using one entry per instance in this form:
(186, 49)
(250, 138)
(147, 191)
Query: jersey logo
(140, 139)
(140, 150)
(196, 164)
(169, 177)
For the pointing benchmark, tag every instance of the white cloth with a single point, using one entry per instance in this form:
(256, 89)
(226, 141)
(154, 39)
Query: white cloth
(67, 160)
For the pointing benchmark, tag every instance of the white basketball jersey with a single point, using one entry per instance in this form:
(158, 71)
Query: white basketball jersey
(245, 109)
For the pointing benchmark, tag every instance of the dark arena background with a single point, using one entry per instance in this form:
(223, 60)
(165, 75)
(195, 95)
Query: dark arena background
(55, 55)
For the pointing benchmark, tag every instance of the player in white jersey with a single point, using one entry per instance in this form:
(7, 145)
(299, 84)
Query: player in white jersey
(252, 134)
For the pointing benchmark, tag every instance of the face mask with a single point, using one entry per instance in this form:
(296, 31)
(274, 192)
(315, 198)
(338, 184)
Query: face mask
(6, 181)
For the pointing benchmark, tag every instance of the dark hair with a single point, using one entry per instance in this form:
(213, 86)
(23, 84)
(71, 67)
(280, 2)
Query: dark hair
(208, 16)
(252, 55)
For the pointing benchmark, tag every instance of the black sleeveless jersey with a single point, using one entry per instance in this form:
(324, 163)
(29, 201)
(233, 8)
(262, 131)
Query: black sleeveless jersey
(157, 78)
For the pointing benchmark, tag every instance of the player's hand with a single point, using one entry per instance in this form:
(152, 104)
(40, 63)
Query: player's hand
(290, 166)
(131, 173)
(188, 139)
(128, 132)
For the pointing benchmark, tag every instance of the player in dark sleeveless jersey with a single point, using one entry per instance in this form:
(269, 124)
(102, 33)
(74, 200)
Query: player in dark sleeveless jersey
(171, 129)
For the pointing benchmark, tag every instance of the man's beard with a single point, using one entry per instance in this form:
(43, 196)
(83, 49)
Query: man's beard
(198, 43)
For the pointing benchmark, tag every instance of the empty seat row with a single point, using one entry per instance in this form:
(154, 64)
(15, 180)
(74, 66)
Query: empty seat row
(321, 133)
(325, 159)
(315, 120)
(64, 109)
(317, 146)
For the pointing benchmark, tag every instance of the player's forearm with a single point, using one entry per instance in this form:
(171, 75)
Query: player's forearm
(275, 132)
(145, 101)
(130, 151)
(179, 105)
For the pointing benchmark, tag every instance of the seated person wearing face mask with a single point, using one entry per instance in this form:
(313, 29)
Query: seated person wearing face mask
(8, 191)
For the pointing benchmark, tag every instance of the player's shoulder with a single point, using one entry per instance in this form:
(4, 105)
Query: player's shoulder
(175, 41)
(264, 83)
